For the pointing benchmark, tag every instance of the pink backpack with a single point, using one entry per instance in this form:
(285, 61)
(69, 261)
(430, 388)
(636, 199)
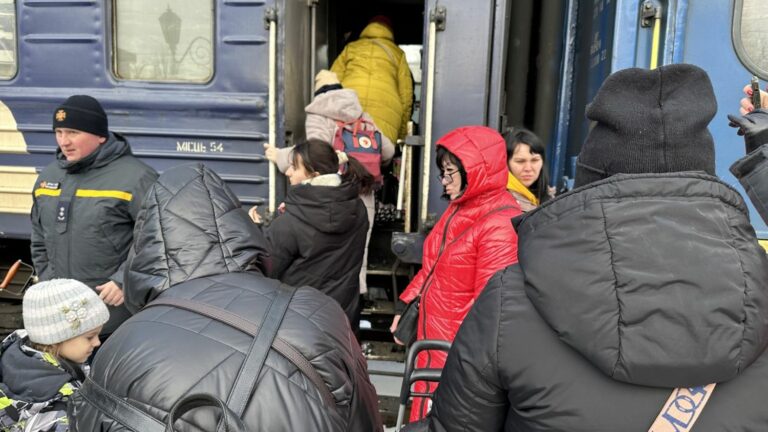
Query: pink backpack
(360, 139)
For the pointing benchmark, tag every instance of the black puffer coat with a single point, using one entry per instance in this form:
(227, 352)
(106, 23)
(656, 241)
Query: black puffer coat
(752, 172)
(625, 289)
(320, 241)
(194, 241)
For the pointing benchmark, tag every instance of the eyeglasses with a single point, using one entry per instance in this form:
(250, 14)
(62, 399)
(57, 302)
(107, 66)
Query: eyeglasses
(447, 177)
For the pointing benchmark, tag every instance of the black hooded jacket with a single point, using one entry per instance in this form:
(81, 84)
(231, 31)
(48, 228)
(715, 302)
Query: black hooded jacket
(89, 240)
(626, 289)
(194, 241)
(320, 241)
(752, 172)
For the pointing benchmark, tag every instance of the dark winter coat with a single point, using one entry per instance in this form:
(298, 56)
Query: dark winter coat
(101, 195)
(34, 387)
(319, 241)
(626, 289)
(194, 241)
(752, 172)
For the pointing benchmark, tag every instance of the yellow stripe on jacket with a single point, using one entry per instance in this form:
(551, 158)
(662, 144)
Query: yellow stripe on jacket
(93, 193)
(47, 192)
(88, 193)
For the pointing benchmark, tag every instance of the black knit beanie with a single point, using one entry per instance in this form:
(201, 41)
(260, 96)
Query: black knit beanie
(649, 121)
(82, 113)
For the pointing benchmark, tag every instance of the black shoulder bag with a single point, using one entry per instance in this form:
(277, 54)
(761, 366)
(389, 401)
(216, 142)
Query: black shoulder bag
(265, 338)
(407, 327)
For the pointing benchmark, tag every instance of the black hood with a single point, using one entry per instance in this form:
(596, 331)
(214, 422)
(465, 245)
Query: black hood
(657, 279)
(24, 377)
(190, 226)
(116, 146)
(329, 209)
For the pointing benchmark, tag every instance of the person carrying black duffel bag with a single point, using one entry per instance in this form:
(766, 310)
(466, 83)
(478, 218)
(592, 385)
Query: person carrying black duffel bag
(212, 331)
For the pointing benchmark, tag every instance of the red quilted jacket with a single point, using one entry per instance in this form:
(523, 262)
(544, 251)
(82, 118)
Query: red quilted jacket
(477, 241)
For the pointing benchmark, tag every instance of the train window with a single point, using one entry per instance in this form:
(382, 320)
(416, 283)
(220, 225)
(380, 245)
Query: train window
(749, 35)
(8, 62)
(163, 40)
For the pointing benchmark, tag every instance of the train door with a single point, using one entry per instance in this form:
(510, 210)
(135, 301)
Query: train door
(462, 80)
(336, 23)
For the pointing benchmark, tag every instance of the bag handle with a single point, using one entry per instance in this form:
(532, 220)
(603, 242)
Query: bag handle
(119, 410)
(355, 129)
(229, 421)
(682, 409)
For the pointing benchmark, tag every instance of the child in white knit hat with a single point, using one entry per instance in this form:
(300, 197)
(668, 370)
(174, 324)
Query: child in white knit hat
(42, 365)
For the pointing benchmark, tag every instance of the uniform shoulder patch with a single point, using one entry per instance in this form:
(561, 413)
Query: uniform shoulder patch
(49, 185)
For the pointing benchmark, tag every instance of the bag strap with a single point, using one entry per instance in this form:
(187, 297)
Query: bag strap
(137, 420)
(682, 409)
(355, 128)
(248, 376)
(386, 50)
(118, 409)
(248, 327)
(443, 245)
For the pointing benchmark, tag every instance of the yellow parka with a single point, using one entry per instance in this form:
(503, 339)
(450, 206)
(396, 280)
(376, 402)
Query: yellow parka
(377, 70)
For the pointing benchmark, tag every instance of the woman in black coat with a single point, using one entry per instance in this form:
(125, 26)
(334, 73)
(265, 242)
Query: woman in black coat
(320, 238)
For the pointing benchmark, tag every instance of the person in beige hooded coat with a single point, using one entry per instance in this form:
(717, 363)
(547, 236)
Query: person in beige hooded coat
(333, 103)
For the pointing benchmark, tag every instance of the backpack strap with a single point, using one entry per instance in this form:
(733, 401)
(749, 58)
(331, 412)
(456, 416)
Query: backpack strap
(682, 409)
(118, 409)
(386, 50)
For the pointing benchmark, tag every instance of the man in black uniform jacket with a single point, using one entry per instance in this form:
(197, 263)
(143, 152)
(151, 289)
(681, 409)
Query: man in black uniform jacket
(85, 204)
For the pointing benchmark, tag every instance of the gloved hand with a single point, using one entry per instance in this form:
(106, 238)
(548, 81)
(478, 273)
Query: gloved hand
(753, 126)
(270, 152)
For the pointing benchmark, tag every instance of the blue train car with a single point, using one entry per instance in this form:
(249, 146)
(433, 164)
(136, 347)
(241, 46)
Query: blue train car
(190, 80)
(213, 80)
(539, 64)
(183, 80)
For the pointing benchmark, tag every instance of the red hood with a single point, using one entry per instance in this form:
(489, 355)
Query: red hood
(483, 153)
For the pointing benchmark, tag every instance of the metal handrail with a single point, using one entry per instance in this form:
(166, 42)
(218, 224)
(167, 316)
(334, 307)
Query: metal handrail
(271, 19)
(436, 15)
(429, 374)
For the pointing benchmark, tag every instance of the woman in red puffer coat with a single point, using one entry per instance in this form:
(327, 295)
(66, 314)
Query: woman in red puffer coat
(475, 235)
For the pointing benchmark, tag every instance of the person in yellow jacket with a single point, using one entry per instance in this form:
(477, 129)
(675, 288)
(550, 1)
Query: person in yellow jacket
(376, 68)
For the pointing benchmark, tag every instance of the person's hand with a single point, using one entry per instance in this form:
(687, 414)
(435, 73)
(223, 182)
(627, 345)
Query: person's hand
(393, 327)
(746, 106)
(753, 126)
(270, 152)
(110, 293)
(255, 217)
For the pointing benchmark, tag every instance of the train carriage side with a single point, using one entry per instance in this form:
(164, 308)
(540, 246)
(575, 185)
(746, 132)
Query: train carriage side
(184, 80)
